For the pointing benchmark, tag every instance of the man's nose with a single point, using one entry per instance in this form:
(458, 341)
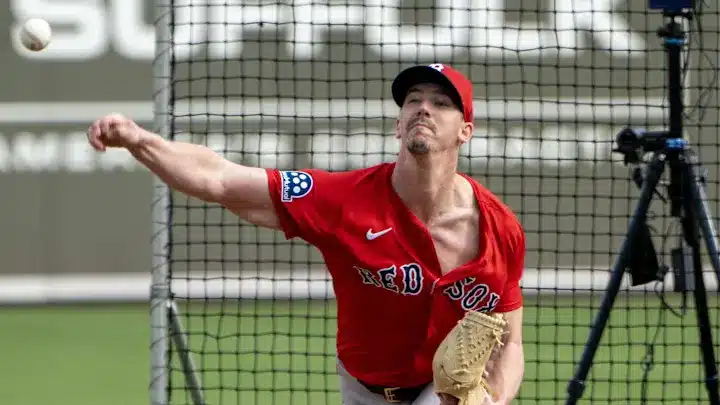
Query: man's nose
(424, 109)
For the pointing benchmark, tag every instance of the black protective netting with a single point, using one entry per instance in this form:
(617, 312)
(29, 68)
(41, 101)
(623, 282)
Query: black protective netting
(301, 84)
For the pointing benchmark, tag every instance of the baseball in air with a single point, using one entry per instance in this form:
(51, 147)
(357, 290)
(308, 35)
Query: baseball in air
(35, 34)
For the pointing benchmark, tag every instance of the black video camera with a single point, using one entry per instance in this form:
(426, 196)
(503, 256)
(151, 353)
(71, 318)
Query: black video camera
(633, 143)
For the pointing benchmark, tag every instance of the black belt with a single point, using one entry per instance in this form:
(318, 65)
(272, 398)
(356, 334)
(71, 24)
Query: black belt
(395, 394)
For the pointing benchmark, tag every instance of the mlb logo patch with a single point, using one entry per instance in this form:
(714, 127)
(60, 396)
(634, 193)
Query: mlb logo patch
(295, 184)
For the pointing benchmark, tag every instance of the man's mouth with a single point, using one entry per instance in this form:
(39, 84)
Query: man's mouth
(420, 124)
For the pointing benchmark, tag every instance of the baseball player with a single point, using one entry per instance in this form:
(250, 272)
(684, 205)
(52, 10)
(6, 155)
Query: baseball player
(411, 246)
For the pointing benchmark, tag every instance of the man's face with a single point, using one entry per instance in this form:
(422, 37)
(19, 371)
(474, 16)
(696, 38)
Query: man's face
(430, 122)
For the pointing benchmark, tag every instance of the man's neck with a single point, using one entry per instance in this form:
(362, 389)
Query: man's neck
(425, 183)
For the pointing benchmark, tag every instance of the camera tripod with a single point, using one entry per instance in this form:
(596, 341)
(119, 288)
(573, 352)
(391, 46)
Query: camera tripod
(687, 203)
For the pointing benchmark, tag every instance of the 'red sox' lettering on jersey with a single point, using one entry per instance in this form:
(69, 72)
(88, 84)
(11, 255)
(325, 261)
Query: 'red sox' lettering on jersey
(406, 279)
(472, 295)
(381, 256)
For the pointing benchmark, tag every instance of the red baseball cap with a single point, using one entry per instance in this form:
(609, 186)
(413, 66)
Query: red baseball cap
(438, 73)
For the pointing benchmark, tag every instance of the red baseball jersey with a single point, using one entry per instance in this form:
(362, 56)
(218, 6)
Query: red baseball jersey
(394, 304)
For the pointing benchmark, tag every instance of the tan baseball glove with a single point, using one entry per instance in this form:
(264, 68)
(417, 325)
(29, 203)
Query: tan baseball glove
(460, 360)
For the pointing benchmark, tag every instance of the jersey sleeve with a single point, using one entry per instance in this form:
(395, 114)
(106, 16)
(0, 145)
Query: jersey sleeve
(512, 294)
(306, 202)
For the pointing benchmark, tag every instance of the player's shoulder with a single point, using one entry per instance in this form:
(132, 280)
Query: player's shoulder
(339, 183)
(492, 206)
(350, 176)
(490, 200)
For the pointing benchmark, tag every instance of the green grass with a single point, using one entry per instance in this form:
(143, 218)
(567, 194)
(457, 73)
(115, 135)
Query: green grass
(74, 355)
(282, 353)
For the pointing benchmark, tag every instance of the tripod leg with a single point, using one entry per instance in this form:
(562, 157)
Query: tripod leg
(698, 214)
(654, 172)
(705, 220)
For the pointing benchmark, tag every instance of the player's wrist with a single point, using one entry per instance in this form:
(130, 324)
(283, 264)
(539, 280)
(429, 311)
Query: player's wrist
(139, 140)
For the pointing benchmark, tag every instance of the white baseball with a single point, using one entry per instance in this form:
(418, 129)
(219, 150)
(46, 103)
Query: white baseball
(35, 34)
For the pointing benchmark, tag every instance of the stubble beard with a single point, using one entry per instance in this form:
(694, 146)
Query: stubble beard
(418, 147)
(417, 144)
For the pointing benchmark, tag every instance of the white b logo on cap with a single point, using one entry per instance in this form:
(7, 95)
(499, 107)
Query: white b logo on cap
(437, 66)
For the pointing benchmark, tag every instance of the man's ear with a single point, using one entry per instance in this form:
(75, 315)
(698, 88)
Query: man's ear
(466, 132)
(397, 128)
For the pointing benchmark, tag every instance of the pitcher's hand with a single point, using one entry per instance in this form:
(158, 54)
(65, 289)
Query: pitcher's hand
(114, 131)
